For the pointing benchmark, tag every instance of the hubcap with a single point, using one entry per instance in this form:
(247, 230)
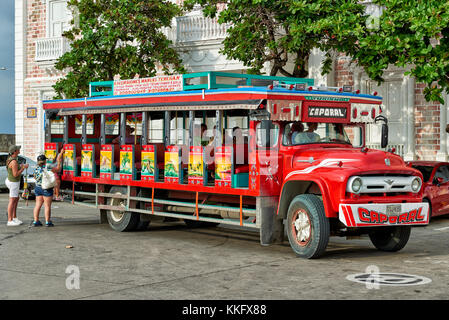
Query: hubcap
(301, 227)
(117, 216)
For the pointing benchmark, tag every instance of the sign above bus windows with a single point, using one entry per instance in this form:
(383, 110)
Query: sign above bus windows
(149, 85)
(326, 112)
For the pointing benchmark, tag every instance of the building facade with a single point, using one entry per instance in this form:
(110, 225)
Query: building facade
(417, 128)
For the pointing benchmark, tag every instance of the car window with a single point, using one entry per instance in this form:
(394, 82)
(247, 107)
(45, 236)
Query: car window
(3, 159)
(425, 170)
(296, 133)
(443, 172)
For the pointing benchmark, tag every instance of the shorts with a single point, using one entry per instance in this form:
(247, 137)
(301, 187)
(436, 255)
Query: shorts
(38, 191)
(13, 188)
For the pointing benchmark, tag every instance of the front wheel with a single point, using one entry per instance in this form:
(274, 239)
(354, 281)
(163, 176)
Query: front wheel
(307, 226)
(390, 239)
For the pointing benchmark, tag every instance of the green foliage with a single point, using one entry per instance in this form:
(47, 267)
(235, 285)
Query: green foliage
(412, 34)
(278, 31)
(116, 37)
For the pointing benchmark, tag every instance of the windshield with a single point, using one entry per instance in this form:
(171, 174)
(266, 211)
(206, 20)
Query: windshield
(297, 133)
(425, 170)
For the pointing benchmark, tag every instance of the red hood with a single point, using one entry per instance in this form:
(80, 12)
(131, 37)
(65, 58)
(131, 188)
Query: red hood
(373, 161)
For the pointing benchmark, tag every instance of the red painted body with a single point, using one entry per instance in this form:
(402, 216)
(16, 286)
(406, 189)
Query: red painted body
(435, 191)
(327, 166)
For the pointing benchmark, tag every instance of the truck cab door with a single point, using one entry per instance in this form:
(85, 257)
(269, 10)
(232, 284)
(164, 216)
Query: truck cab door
(269, 158)
(441, 192)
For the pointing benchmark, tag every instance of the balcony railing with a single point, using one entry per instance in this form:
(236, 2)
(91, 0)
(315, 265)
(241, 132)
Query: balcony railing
(51, 48)
(185, 29)
(399, 148)
(195, 28)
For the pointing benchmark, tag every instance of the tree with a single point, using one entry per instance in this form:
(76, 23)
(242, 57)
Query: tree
(413, 34)
(116, 37)
(277, 31)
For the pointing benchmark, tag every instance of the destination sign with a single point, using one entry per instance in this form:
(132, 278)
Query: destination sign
(327, 112)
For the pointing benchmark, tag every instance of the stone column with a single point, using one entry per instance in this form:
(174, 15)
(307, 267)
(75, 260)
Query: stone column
(442, 153)
(411, 137)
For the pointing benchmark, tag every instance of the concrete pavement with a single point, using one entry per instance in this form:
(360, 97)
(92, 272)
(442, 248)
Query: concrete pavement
(171, 261)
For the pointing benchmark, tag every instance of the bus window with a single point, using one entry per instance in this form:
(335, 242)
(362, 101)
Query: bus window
(57, 125)
(179, 130)
(156, 130)
(134, 120)
(89, 124)
(239, 125)
(112, 124)
(274, 135)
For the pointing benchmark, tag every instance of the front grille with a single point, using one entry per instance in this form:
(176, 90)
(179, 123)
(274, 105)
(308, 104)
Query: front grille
(382, 184)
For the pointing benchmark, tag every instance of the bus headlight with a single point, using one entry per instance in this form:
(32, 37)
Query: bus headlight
(356, 185)
(416, 184)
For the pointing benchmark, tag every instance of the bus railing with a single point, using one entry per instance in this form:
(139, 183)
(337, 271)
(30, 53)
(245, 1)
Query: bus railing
(208, 80)
(244, 213)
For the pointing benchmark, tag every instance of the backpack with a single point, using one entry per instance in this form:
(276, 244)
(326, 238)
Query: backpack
(48, 179)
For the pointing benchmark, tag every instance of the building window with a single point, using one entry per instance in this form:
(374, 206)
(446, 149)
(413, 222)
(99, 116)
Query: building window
(58, 18)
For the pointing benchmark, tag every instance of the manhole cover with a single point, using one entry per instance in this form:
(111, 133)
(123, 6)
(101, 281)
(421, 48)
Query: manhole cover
(388, 279)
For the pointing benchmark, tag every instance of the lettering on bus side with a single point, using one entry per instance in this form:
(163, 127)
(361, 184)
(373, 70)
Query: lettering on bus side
(327, 112)
(374, 217)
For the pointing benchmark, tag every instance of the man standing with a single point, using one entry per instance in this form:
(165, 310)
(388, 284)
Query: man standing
(13, 184)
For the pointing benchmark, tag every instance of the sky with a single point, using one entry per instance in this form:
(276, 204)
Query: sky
(7, 121)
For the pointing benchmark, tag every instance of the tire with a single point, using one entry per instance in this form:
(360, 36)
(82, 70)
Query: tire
(121, 220)
(390, 239)
(308, 228)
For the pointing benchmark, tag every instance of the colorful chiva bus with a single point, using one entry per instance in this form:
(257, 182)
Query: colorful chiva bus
(277, 155)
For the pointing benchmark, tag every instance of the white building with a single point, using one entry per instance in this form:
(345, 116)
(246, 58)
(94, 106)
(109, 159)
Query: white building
(417, 128)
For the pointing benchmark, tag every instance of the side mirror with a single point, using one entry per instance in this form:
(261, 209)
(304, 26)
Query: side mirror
(384, 137)
(384, 133)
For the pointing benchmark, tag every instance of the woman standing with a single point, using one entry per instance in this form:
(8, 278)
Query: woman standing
(13, 184)
(44, 196)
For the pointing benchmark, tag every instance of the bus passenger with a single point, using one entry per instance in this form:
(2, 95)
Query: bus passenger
(311, 135)
(295, 130)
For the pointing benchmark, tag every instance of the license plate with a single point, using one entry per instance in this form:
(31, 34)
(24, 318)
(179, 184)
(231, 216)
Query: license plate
(393, 210)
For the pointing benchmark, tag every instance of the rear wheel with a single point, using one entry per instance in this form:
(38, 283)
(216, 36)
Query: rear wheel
(390, 239)
(121, 220)
(307, 226)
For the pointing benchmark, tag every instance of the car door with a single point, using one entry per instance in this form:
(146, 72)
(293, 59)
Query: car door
(440, 203)
(3, 171)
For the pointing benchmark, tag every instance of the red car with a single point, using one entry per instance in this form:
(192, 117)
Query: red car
(435, 184)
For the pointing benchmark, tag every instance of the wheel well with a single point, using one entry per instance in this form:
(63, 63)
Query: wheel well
(292, 189)
(428, 201)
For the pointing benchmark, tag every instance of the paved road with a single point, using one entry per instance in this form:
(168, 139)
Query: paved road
(171, 261)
